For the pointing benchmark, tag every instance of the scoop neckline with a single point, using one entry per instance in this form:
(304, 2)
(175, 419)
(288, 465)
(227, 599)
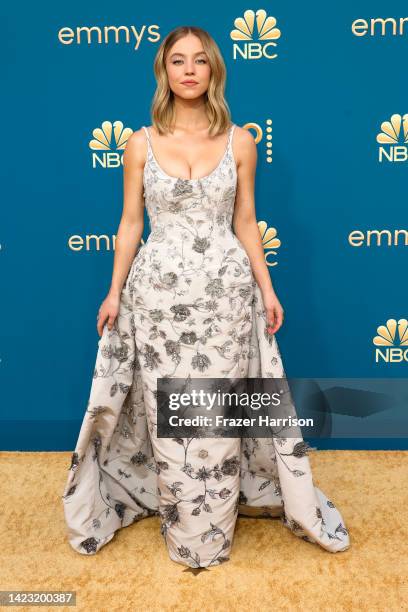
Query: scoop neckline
(191, 180)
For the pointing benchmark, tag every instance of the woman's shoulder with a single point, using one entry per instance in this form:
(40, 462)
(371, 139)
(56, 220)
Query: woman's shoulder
(135, 148)
(244, 146)
(244, 142)
(243, 135)
(137, 137)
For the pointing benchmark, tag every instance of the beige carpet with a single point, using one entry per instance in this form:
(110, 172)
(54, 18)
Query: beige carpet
(269, 569)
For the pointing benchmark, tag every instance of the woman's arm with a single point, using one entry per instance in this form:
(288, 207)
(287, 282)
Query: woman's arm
(246, 227)
(130, 228)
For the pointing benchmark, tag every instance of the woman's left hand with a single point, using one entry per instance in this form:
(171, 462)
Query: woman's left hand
(273, 310)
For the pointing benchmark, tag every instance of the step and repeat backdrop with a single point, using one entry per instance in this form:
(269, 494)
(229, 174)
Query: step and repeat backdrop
(323, 90)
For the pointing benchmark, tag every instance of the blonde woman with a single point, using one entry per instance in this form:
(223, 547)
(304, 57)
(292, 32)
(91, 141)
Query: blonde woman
(195, 301)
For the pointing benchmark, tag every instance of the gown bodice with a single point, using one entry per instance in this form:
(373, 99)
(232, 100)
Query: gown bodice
(204, 204)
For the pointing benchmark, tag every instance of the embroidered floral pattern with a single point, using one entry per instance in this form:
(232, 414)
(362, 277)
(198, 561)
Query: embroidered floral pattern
(190, 306)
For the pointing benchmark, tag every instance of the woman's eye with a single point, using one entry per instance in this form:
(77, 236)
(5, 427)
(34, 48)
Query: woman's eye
(199, 60)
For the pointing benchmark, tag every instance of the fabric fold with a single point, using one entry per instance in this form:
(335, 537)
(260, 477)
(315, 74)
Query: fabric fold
(112, 479)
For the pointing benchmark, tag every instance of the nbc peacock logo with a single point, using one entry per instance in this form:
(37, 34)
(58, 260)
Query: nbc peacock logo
(108, 144)
(266, 34)
(270, 242)
(391, 340)
(393, 139)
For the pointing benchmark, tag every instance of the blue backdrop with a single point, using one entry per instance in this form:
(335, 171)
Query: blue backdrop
(325, 98)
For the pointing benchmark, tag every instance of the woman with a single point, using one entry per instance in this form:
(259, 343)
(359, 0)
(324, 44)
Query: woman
(197, 301)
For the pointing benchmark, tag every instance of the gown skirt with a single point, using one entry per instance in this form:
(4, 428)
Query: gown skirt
(190, 308)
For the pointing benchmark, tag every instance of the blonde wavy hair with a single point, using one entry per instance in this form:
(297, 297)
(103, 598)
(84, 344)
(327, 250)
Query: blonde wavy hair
(217, 110)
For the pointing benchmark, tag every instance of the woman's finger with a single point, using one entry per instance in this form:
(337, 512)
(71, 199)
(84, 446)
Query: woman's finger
(111, 321)
(280, 317)
(275, 321)
(100, 324)
(270, 320)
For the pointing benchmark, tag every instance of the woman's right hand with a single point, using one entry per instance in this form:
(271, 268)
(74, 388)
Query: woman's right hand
(108, 310)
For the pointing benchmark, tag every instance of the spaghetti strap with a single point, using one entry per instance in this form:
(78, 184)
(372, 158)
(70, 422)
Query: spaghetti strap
(147, 134)
(150, 153)
(231, 132)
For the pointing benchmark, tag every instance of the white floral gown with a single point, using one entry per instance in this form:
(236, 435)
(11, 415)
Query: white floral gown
(190, 306)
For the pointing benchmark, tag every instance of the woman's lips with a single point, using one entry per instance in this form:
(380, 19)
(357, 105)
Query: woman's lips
(189, 83)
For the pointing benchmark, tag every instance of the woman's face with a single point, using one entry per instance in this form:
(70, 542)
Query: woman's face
(187, 61)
